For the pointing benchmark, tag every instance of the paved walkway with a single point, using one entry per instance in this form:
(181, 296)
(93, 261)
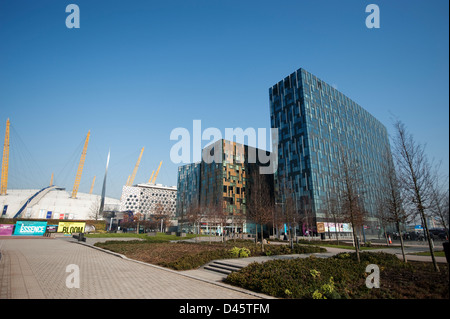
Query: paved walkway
(36, 268)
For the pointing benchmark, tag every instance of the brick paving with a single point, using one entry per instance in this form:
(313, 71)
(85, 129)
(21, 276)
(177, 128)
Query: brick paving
(36, 269)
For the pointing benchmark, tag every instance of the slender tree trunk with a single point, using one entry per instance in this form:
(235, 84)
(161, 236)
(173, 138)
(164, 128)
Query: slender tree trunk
(401, 241)
(336, 230)
(430, 244)
(355, 238)
(262, 238)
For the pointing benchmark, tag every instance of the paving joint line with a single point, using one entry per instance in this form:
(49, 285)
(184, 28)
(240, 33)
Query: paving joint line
(220, 284)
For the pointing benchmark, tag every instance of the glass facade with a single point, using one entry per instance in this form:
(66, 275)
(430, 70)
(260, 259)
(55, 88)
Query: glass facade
(225, 183)
(188, 186)
(316, 123)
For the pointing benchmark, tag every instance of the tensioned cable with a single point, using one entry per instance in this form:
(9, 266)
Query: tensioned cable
(23, 165)
(69, 169)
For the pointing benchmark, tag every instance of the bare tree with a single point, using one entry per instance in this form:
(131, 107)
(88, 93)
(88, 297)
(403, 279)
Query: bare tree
(352, 185)
(289, 209)
(162, 217)
(194, 217)
(440, 203)
(238, 220)
(213, 212)
(261, 205)
(392, 198)
(277, 219)
(333, 212)
(382, 215)
(222, 219)
(94, 210)
(415, 176)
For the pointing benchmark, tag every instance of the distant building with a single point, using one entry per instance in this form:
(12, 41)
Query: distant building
(145, 199)
(188, 185)
(316, 123)
(224, 182)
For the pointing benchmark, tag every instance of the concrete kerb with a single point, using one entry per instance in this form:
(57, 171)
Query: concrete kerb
(223, 285)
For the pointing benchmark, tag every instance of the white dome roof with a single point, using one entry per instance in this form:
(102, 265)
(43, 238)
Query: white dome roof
(55, 200)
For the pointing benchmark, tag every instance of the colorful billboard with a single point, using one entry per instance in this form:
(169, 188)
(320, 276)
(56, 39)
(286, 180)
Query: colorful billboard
(342, 227)
(71, 227)
(30, 228)
(6, 229)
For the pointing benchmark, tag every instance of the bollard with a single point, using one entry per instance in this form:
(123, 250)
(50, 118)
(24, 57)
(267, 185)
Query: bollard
(81, 237)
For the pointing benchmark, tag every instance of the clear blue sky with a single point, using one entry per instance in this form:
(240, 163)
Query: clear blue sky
(135, 70)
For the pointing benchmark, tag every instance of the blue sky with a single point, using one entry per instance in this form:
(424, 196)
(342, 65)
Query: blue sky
(135, 70)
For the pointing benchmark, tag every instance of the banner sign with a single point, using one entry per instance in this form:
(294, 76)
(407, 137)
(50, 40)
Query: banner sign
(30, 228)
(320, 227)
(342, 227)
(52, 228)
(71, 227)
(6, 229)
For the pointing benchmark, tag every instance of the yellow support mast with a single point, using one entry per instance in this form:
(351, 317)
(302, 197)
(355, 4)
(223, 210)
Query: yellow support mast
(156, 175)
(92, 186)
(5, 161)
(151, 176)
(131, 180)
(51, 180)
(80, 167)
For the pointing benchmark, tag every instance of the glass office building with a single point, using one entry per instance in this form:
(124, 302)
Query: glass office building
(225, 182)
(316, 124)
(188, 186)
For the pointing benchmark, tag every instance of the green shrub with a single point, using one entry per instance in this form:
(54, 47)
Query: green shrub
(314, 273)
(187, 262)
(239, 252)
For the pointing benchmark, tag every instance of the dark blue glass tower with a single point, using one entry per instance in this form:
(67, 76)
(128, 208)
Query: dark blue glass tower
(316, 124)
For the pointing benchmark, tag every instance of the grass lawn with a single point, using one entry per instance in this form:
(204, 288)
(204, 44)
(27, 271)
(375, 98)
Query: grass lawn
(184, 255)
(159, 237)
(440, 253)
(342, 245)
(350, 247)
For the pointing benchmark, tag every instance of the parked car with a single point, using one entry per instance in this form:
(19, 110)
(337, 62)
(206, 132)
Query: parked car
(438, 233)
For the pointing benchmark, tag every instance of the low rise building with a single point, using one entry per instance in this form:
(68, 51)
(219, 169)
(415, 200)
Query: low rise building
(149, 199)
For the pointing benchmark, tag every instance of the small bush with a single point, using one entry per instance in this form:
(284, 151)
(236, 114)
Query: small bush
(239, 252)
